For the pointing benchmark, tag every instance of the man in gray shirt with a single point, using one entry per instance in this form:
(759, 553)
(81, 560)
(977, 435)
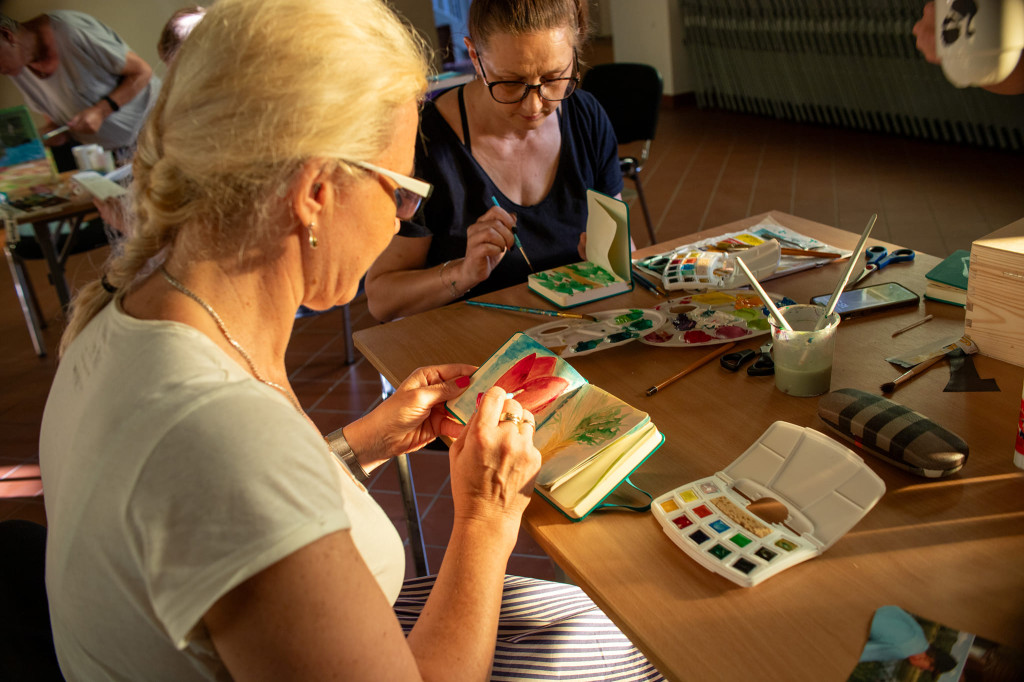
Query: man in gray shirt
(77, 72)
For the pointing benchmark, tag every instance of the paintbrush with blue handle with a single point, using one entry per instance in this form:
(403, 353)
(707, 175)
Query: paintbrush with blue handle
(515, 236)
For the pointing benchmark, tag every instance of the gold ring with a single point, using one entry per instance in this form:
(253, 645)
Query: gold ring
(533, 424)
(509, 417)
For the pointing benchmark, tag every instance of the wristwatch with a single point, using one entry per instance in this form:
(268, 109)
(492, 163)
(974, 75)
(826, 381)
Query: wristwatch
(343, 451)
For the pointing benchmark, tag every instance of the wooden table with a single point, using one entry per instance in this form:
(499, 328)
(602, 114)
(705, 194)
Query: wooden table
(949, 550)
(47, 224)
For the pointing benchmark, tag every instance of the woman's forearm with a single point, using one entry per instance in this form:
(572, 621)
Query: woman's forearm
(399, 293)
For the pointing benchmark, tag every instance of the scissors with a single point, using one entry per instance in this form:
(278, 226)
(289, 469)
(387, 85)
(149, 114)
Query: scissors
(878, 257)
(763, 366)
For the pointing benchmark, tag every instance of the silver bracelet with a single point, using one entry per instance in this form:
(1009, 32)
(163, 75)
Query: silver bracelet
(343, 451)
(451, 282)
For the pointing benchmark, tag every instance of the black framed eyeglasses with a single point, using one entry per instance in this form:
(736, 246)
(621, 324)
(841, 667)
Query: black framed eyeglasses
(409, 193)
(552, 89)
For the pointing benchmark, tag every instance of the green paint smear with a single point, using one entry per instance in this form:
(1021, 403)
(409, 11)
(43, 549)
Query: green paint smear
(759, 323)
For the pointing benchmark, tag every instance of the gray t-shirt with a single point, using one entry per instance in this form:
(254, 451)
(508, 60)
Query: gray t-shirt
(92, 57)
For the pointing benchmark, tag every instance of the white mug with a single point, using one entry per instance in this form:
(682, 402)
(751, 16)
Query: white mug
(978, 41)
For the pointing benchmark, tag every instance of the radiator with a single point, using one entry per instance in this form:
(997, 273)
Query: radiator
(837, 62)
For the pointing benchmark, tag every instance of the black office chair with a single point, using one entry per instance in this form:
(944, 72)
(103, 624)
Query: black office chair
(631, 95)
(26, 640)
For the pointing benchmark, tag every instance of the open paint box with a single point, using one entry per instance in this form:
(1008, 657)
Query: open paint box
(815, 487)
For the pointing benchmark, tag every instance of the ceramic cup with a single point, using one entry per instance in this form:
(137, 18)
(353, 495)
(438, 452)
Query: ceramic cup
(803, 357)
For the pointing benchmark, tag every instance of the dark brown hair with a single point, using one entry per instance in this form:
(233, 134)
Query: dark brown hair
(176, 30)
(516, 17)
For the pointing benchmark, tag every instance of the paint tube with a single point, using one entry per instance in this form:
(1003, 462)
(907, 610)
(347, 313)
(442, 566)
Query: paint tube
(1018, 455)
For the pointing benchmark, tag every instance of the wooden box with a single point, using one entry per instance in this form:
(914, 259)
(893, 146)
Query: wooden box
(995, 294)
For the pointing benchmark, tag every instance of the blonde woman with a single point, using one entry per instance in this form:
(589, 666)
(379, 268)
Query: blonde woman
(200, 528)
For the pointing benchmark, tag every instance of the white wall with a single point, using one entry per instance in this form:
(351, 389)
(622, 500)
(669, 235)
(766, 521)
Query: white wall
(651, 32)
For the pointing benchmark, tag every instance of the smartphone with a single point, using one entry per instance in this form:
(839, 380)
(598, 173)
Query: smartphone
(871, 299)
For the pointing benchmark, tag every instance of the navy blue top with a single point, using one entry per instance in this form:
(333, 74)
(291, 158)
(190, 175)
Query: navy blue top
(549, 230)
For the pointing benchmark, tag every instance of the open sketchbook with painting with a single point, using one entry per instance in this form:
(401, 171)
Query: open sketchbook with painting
(589, 440)
(606, 272)
(24, 160)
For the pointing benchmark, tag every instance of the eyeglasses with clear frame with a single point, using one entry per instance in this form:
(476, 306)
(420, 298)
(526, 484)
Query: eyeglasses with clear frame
(409, 193)
(552, 89)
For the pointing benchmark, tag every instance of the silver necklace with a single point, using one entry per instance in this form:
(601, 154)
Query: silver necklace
(224, 330)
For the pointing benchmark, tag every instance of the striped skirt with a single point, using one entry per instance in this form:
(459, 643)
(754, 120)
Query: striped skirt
(546, 631)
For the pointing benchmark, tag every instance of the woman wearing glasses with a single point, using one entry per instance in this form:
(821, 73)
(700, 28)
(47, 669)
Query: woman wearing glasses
(199, 526)
(516, 148)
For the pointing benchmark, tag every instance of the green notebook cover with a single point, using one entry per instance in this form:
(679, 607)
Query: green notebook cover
(953, 270)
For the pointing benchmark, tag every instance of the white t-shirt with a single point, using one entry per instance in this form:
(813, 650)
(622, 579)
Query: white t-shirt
(171, 476)
(92, 57)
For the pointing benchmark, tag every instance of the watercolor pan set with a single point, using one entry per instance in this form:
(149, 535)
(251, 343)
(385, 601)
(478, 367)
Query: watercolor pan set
(710, 263)
(704, 319)
(571, 338)
(825, 489)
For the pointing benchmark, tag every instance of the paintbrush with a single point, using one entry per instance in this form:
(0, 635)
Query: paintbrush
(649, 285)
(535, 311)
(703, 361)
(854, 262)
(54, 133)
(769, 303)
(962, 345)
(890, 386)
(515, 237)
(812, 254)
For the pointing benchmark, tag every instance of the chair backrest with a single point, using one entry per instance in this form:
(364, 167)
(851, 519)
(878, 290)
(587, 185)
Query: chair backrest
(26, 640)
(630, 94)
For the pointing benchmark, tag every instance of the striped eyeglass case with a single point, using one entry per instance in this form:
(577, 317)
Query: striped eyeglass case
(894, 433)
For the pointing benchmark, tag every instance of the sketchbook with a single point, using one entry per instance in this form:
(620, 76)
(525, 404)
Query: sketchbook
(711, 263)
(590, 441)
(947, 281)
(24, 160)
(606, 272)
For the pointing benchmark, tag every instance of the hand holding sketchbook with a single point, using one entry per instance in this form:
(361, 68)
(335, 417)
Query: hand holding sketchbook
(606, 272)
(589, 440)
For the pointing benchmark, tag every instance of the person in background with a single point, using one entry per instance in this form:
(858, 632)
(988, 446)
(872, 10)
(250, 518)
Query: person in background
(174, 32)
(77, 72)
(521, 135)
(924, 31)
(113, 210)
(199, 526)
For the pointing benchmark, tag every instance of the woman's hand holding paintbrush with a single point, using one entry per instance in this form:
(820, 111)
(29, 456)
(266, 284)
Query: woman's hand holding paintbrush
(488, 240)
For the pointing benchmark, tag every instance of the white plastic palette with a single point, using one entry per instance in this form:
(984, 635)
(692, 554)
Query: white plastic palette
(824, 487)
(712, 317)
(570, 338)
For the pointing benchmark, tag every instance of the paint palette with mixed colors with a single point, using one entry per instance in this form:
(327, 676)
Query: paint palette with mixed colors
(712, 317)
(788, 498)
(570, 338)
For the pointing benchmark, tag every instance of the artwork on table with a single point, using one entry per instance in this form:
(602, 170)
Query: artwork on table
(24, 160)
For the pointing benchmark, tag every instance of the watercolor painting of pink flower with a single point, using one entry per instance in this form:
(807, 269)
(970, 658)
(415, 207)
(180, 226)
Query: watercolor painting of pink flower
(531, 382)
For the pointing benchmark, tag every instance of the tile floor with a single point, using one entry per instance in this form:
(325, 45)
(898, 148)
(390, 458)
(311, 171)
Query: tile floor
(706, 168)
